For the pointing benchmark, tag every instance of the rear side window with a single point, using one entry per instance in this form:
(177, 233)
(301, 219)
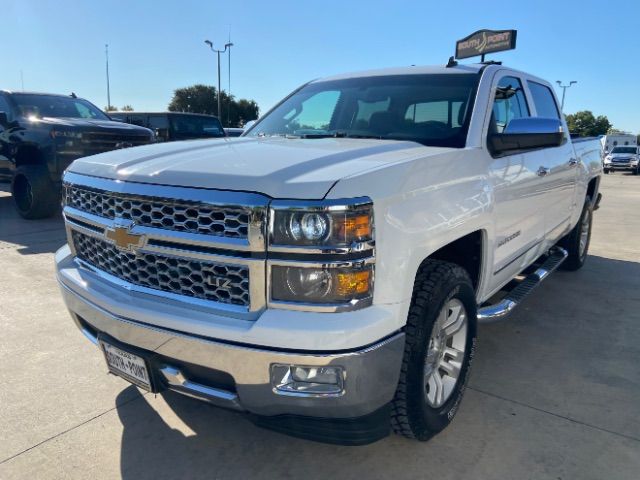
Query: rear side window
(510, 102)
(158, 121)
(543, 100)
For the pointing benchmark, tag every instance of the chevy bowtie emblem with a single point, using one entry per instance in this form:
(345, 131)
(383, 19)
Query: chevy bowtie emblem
(123, 238)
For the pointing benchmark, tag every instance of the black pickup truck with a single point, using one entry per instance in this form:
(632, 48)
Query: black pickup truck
(41, 134)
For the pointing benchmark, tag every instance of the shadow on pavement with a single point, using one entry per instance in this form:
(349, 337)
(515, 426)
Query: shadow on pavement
(221, 444)
(28, 236)
(546, 357)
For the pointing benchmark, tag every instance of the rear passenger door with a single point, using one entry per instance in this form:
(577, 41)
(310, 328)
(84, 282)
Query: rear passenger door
(559, 163)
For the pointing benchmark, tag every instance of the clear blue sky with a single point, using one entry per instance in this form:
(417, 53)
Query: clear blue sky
(156, 46)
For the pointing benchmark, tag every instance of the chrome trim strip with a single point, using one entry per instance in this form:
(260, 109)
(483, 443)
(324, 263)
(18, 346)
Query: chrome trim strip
(223, 243)
(179, 383)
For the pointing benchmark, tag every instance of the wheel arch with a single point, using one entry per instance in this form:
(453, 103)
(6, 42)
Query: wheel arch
(467, 251)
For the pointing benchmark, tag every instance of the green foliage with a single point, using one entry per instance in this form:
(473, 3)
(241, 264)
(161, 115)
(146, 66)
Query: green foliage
(585, 124)
(203, 99)
(127, 108)
(110, 108)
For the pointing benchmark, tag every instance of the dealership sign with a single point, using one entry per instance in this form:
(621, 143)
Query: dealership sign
(486, 41)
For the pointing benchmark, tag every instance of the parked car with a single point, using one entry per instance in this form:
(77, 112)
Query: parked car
(325, 274)
(622, 158)
(41, 134)
(172, 126)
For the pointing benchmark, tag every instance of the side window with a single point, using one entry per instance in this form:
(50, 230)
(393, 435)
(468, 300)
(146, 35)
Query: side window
(136, 120)
(510, 102)
(544, 101)
(158, 121)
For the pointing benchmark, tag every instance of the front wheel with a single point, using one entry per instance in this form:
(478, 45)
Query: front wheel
(34, 194)
(577, 241)
(439, 348)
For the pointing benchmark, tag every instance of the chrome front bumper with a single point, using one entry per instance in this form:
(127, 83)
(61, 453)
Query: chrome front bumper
(371, 373)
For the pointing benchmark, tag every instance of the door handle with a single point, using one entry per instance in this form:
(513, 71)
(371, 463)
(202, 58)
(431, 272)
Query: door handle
(573, 162)
(543, 171)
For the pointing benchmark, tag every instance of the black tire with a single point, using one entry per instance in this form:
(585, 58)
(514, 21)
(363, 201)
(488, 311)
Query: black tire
(606, 171)
(437, 283)
(571, 243)
(34, 194)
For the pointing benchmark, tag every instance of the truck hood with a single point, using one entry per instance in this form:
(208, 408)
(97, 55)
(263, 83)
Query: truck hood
(89, 124)
(277, 167)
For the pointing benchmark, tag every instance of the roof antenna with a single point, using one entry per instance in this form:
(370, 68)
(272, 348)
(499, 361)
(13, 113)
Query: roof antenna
(452, 62)
(73, 95)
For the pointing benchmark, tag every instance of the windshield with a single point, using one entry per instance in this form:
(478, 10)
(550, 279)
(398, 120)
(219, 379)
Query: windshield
(430, 109)
(56, 106)
(195, 126)
(624, 150)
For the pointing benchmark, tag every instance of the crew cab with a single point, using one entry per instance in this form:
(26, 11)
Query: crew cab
(325, 273)
(622, 158)
(41, 134)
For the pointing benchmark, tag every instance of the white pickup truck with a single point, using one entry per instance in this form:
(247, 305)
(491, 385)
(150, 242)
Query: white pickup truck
(325, 272)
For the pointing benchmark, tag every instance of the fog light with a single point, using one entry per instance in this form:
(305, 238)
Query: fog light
(307, 380)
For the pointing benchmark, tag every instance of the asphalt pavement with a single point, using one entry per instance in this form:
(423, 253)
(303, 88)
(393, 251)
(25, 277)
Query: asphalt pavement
(554, 392)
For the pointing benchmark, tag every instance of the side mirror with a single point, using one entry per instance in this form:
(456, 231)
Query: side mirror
(4, 120)
(527, 134)
(162, 134)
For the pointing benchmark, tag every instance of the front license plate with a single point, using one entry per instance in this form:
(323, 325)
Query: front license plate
(126, 365)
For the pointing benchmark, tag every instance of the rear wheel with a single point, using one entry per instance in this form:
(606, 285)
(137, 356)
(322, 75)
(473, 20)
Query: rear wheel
(440, 343)
(577, 241)
(34, 194)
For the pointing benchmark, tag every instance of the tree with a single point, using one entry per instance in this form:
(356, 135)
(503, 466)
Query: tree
(127, 108)
(203, 99)
(585, 124)
(110, 108)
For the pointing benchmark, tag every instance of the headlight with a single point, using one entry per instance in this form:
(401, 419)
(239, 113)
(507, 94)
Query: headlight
(322, 226)
(321, 254)
(334, 285)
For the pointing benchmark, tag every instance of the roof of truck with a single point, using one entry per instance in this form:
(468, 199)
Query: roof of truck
(412, 70)
(10, 92)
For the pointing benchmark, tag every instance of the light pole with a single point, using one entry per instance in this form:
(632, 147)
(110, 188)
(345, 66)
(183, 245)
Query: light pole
(210, 43)
(564, 91)
(229, 44)
(106, 53)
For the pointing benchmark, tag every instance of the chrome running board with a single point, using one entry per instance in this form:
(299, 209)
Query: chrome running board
(502, 309)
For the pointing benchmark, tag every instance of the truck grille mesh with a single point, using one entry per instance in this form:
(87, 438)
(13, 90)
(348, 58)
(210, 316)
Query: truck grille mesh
(168, 214)
(204, 280)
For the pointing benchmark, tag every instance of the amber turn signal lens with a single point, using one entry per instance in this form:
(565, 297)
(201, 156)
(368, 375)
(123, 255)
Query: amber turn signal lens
(355, 228)
(353, 283)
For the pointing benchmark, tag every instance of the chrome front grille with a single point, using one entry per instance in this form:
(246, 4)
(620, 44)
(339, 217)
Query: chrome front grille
(218, 282)
(163, 213)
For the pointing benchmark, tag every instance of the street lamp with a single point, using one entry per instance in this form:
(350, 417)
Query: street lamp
(210, 43)
(564, 90)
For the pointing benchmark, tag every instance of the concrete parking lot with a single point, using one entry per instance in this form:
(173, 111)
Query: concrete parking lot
(554, 393)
